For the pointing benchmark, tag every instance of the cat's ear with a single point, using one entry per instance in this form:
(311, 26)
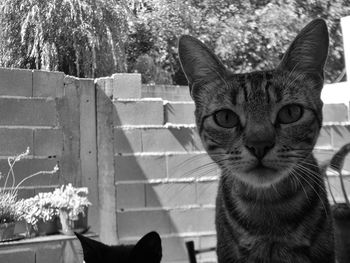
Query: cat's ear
(92, 249)
(148, 249)
(308, 52)
(198, 61)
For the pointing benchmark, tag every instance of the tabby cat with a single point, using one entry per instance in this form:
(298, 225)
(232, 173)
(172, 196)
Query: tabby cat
(147, 250)
(260, 128)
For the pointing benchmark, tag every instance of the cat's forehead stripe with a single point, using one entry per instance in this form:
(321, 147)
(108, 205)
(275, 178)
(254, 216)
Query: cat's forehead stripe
(251, 85)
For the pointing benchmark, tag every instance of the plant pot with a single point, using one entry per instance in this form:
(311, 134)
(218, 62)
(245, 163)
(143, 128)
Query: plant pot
(341, 215)
(30, 231)
(7, 231)
(69, 226)
(47, 227)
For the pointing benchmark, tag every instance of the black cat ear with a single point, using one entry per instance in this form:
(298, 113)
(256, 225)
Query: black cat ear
(92, 249)
(148, 249)
(308, 52)
(198, 62)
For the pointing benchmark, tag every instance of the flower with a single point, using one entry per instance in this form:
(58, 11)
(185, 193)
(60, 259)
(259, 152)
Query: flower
(71, 199)
(36, 208)
(8, 208)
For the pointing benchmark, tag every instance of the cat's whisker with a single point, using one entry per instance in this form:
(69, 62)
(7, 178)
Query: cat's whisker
(213, 165)
(294, 173)
(196, 157)
(309, 175)
(312, 175)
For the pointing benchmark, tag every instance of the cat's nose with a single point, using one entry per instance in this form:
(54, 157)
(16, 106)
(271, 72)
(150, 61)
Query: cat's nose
(259, 148)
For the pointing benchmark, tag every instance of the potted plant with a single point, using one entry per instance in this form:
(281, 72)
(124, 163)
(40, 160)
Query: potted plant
(39, 215)
(72, 204)
(10, 208)
(8, 215)
(341, 210)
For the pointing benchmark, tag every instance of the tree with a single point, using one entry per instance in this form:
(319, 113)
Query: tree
(90, 38)
(83, 38)
(246, 35)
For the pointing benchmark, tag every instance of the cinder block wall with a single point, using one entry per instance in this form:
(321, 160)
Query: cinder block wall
(134, 146)
(53, 115)
(164, 180)
(29, 117)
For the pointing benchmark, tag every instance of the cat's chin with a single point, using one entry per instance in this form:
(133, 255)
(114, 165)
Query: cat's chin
(261, 176)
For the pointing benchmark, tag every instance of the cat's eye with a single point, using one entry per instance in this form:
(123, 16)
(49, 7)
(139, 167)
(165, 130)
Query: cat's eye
(226, 118)
(290, 113)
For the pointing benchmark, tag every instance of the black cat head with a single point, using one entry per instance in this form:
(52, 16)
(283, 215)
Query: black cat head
(147, 250)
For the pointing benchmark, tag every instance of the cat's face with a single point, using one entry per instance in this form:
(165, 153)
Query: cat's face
(147, 249)
(259, 126)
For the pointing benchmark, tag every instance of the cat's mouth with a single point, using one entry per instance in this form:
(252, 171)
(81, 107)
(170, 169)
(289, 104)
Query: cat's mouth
(262, 168)
(261, 175)
(262, 171)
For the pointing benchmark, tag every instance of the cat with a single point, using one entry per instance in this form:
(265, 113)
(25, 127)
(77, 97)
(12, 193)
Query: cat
(148, 250)
(260, 128)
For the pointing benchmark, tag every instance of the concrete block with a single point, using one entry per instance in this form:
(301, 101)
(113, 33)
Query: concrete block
(138, 223)
(174, 249)
(26, 167)
(180, 113)
(170, 194)
(192, 220)
(45, 189)
(181, 139)
(191, 165)
(48, 84)
(336, 187)
(324, 139)
(49, 253)
(105, 84)
(166, 92)
(340, 135)
(140, 112)
(28, 112)
(130, 168)
(207, 192)
(206, 242)
(335, 112)
(127, 85)
(48, 142)
(16, 82)
(15, 141)
(25, 193)
(127, 141)
(17, 255)
(130, 196)
(347, 163)
(323, 156)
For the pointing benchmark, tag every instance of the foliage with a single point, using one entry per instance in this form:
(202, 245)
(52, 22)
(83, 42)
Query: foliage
(246, 35)
(10, 209)
(97, 38)
(79, 37)
(71, 199)
(36, 208)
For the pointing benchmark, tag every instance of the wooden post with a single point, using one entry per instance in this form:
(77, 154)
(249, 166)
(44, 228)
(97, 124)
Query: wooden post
(88, 147)
(345, 25)
(69, 119)
(106, 180)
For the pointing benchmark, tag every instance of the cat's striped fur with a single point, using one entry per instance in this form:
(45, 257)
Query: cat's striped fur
(260, 128)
